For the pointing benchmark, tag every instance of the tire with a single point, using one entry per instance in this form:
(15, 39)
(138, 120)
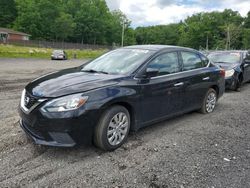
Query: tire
(209, 100)
(116, 120)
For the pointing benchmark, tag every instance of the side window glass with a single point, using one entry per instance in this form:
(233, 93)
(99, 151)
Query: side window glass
(166, 63)
(191, 61)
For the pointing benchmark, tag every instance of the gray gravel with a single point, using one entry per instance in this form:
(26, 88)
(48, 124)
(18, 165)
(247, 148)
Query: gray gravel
(192, 150)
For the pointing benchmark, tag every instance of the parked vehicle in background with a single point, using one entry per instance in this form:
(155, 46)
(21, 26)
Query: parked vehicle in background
(59, 55)
(125, 89)
(236, 64)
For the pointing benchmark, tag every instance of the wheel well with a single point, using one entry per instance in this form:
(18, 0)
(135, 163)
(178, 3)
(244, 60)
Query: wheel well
(130, 110)
(216, 88)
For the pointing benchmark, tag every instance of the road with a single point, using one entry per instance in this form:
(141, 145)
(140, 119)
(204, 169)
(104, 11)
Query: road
(191, 150)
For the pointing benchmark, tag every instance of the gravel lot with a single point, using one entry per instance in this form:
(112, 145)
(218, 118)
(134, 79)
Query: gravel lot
(192, 150)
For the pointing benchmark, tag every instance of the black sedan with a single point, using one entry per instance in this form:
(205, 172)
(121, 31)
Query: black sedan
(236, 64)
(123, 90)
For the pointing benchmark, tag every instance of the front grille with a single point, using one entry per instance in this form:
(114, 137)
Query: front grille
(29, 100)
(33, 131)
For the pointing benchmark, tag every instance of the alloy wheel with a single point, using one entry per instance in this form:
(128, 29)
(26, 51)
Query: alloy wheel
(117, 129)
(211, 102)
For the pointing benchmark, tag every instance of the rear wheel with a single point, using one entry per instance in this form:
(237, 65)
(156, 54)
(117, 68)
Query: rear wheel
(113, 128)
(209, 102)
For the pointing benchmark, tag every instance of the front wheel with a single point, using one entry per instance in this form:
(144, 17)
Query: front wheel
(209, 102)
(113, 128)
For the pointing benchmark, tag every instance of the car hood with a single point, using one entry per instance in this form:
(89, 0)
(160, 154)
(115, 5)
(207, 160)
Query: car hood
(227, 66)
(69, 81)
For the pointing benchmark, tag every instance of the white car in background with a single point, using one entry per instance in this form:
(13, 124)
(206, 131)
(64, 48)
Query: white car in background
(59, 55)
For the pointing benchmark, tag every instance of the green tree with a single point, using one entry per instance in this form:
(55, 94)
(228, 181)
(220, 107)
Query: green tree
(37, 17)
(8, 12)
(91, 21)
(63, 27)
(247, 20)
(162, 34)
(196, 30)
(114, 31)
(246, 39)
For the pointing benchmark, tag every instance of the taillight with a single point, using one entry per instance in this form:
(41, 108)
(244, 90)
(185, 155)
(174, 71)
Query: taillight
(222, 72)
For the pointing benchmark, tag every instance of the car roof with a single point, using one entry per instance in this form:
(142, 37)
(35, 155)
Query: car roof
(157, 47)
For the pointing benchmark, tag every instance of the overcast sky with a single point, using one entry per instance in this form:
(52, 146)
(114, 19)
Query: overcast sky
(154, 12)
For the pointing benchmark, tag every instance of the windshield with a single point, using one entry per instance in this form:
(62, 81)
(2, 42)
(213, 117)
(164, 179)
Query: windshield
(225, 57)
(57, 52)
(121, 61)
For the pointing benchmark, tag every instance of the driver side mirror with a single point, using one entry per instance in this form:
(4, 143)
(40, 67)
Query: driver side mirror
(150, 72)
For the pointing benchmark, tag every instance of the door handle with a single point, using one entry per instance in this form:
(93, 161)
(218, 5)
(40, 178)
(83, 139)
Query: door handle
(206, 78)
(179, 84)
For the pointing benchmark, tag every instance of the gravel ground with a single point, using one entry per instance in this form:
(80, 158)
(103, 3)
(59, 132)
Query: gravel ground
(192, 150)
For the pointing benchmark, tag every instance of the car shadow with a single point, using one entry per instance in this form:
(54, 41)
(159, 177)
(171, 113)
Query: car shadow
(135, 140)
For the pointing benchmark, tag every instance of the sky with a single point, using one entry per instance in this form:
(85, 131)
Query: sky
(156, 12)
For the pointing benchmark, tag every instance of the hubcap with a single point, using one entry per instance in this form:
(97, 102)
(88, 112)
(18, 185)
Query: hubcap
(211, 101)
(117, 129)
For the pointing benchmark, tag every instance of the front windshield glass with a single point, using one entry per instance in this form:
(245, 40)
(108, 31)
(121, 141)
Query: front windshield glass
(121, 61)
(225, 57)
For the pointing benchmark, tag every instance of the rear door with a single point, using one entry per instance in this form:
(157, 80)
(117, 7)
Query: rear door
(198, 77)
(163, 94)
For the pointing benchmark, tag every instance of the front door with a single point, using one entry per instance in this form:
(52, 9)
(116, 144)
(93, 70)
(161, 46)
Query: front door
(163, 94)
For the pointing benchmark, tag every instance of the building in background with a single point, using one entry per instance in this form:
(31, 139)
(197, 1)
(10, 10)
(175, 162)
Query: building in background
(11, 35)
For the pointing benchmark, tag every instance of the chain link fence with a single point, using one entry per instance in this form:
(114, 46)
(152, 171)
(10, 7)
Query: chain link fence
(56, 45)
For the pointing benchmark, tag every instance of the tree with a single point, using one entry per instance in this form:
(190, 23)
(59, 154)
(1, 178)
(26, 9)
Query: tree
(115, 26)
(212, 27)
(247, 21)
(91, 21)
(246, 39)
(37, 17)
(8, 12)
(64, 26)
(162, 34)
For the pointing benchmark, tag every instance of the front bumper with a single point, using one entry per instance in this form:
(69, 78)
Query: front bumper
(57, 139)
(58, 131)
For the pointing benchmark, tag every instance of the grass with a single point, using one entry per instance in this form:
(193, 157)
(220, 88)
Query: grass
(11, 51)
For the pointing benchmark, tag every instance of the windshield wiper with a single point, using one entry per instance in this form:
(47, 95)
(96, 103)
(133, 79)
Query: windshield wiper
(221, 62)
(94, 71)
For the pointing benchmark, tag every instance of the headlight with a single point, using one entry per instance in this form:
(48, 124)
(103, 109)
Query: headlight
(64, 104)
(229, 73)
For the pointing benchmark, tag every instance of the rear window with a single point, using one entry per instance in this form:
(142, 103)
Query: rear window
(225, 57)
(58, 52)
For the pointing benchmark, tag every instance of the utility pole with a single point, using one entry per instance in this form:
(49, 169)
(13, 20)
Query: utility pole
(207, 43)
(228, 44)
(123, 28)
